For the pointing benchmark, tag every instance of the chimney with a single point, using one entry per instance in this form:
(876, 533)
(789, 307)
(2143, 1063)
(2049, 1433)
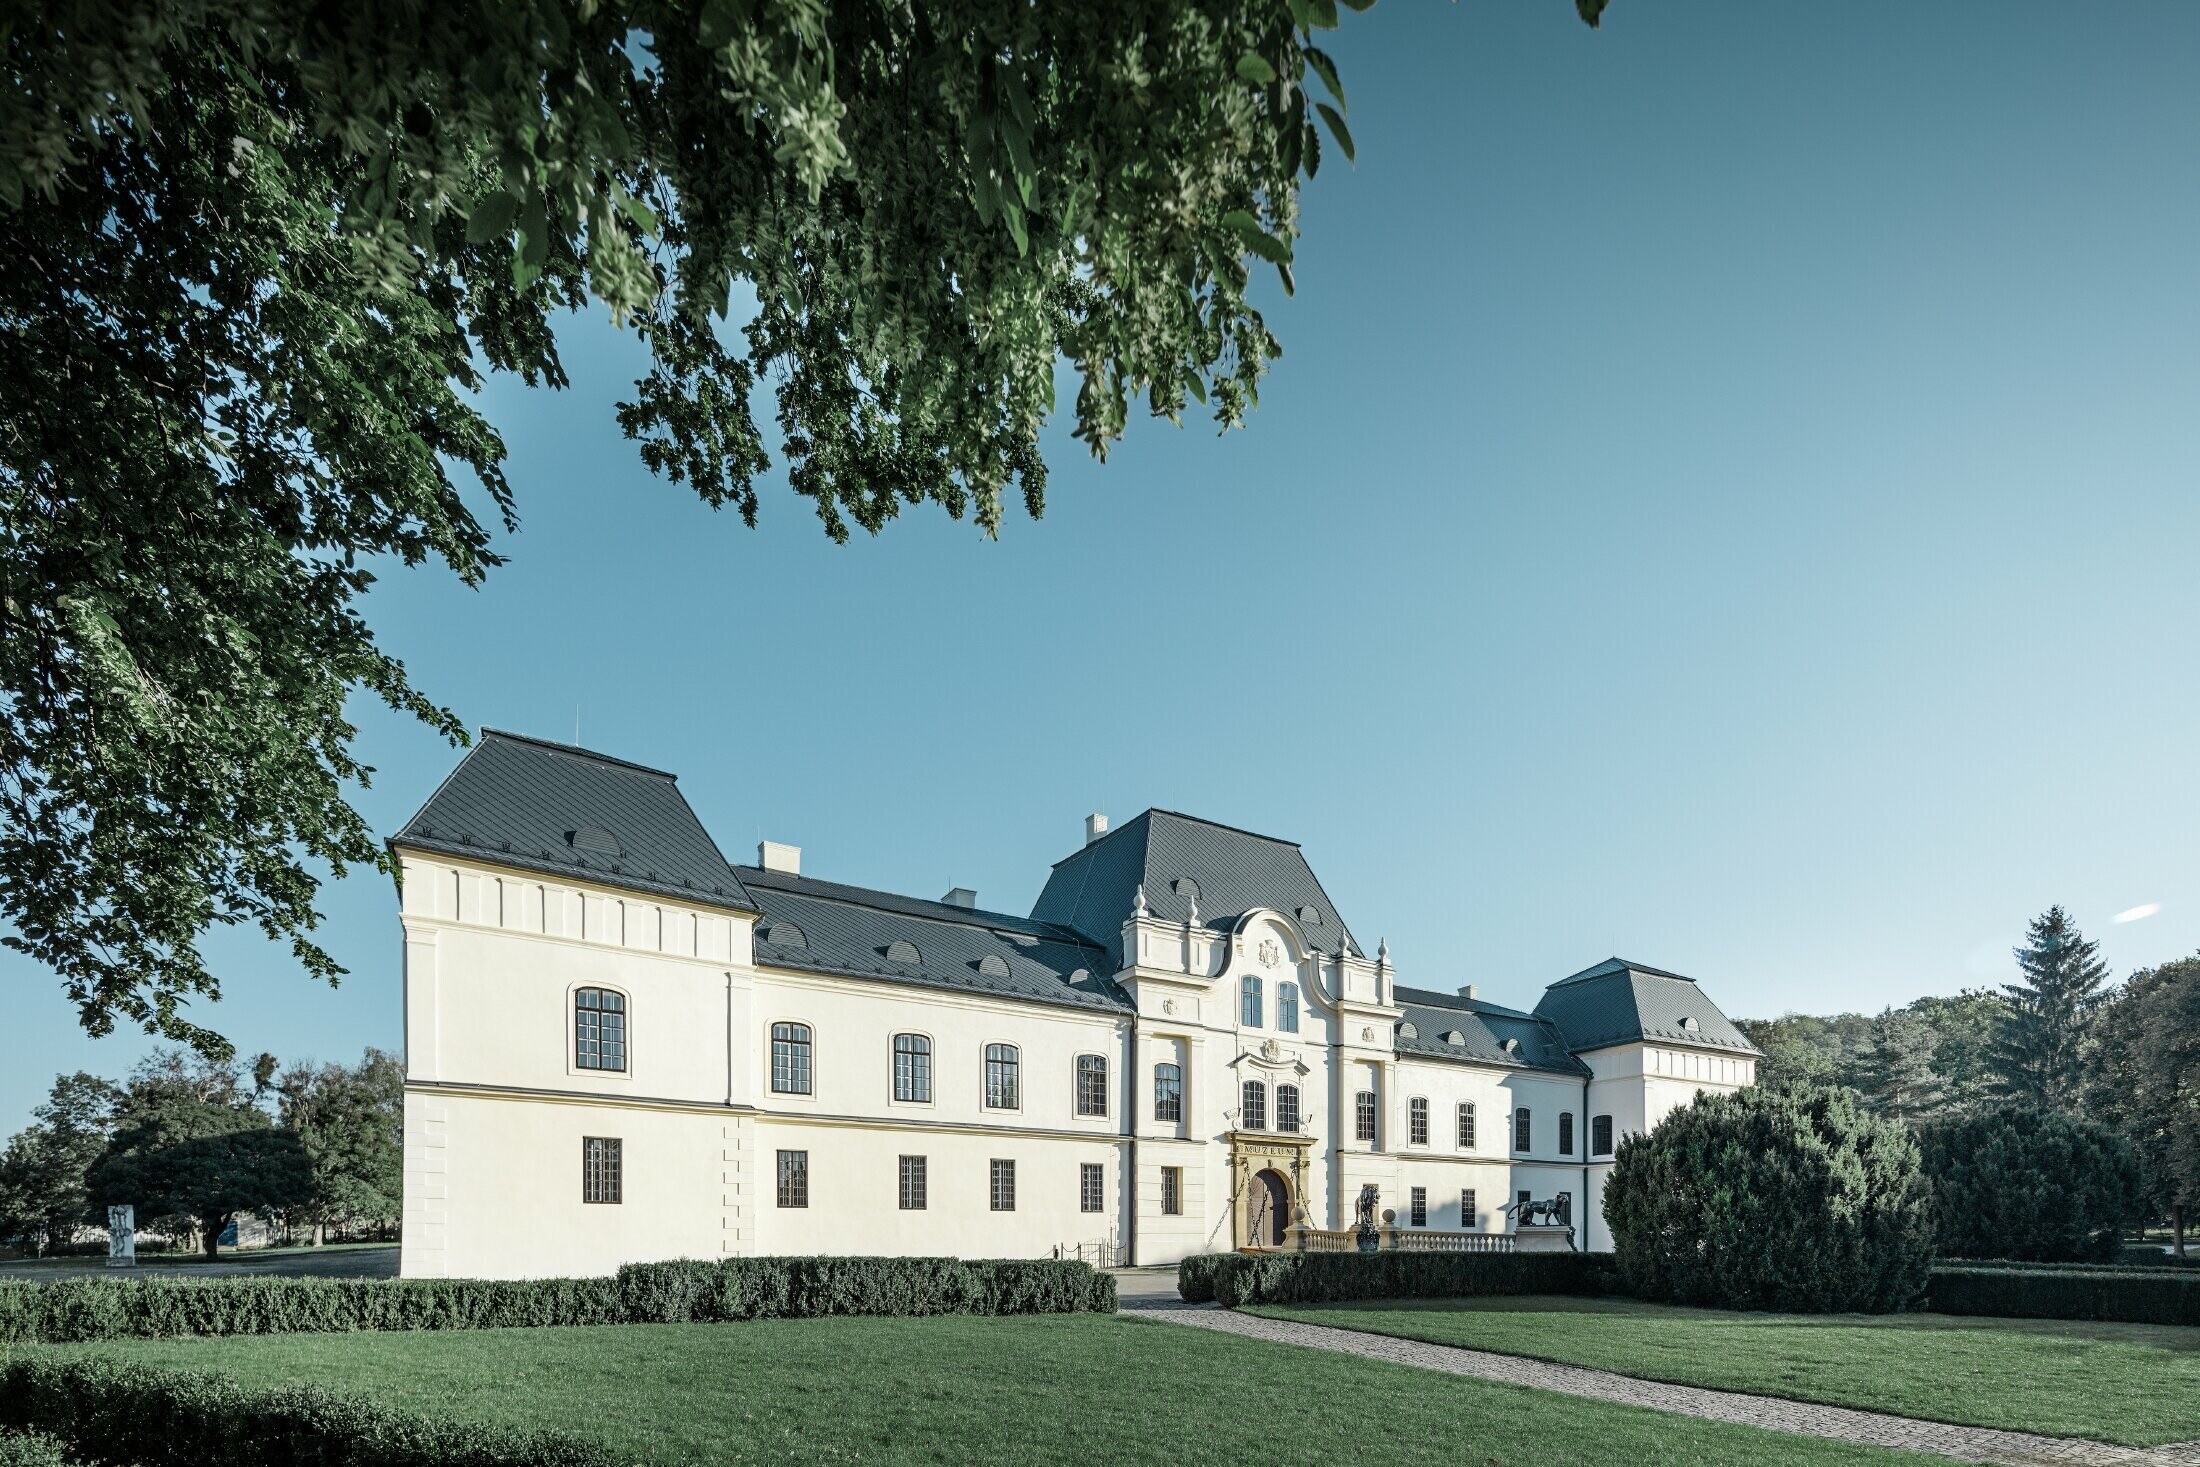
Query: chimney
(1470, 991)
(773, 856)
(1096, 825)
(961, 896)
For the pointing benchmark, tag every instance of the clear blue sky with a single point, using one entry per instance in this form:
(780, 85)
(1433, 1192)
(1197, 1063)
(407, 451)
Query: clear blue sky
(1728, 500)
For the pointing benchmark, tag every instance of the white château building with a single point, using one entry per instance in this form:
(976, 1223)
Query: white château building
(621, 1047)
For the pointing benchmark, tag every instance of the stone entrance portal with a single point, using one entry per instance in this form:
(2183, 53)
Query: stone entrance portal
(1270, 1204)
(1269, 1181)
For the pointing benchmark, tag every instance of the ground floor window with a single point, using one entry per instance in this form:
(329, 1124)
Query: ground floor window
(1420, 1207)
(602, 1167)
(1091, 1187)
(912, 1183)
(1172, 1190)
(794, 1179)
(1466, 1207)
(1520, 1212)
(1004, 1185)
(1566, 1208)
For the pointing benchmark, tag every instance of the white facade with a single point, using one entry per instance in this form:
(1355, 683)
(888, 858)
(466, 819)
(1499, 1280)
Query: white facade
(502, 1106)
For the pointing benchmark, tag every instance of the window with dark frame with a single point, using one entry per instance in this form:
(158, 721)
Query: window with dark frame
(1253, 1106)
(1466, 1125)
(603, 1167)
(912, 1183)
(1249, 1002)
(1566, 1133)
(1600, 1136)
(1287, 1109)
(913, 1068)
(1003, 1088)
(1172, 1190)
(1003, 1177)
(1092, 1085)
(1168, 1092)
(794, 1179)
(1419, 1207)
(1522, 1201)
(1566, 1208)
(1417, 1121)
(1466, 1208)
(1363, 1116)
(1091, 1187)
(599, 1029)
(790, 1059)
(1287, 1007)
(1523, 1131)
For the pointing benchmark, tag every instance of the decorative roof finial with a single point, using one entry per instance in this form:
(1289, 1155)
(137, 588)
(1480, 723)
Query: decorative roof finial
(1191, 916)
(1382, 953)
(1138, 903)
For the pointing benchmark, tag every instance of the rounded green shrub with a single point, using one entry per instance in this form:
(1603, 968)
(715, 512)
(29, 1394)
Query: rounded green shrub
(1794, 1200)
(2029, 1184)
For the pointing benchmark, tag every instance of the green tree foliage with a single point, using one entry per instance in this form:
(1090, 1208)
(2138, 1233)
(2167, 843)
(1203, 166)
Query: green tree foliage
(2017, 1182)
(2035, 1052)
(187, 1145)
(1773, 1199)
(1926, 1058)
(43, 1198)
(2143, 1078)
(1806, 1051)
(260, 256)
(1896, 1073)
(350, 1121)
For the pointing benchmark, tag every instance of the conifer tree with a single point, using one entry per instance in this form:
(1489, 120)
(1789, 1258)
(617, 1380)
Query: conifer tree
(2035, 1052)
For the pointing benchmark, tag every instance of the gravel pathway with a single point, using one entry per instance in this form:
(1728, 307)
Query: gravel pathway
(1963, 1443)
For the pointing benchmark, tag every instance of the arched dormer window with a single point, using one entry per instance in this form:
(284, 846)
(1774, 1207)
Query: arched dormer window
(790, 1059)
(1287, 1007)
(1249, 1002)
(1254, 1115)
(599, 1029)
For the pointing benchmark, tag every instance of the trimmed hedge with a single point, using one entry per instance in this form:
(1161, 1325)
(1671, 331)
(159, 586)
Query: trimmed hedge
(1318, 1278)
(103, 1411)
(2032, 1184)
(2131, 1296)
(646, 1293)
(1195, 1277)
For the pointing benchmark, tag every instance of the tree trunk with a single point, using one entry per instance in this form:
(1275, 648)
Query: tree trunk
(2177, 1229)
(214, 1226)
(320, 1232)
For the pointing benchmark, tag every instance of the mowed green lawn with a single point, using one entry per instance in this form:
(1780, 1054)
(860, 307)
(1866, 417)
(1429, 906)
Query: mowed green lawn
(2135, 1384)
(1093, 1388)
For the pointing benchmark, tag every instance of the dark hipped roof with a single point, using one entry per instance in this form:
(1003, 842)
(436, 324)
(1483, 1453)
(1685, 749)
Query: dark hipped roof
(1483, 1029)
(565, 811)
(849, 931)
(1091, 891)
(1617, 1002)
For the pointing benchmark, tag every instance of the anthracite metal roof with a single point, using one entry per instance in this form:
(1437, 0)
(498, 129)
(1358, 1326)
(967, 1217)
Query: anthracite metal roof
(1177, 858)
(1618, 1002)
(1483, 1029)
(540, 806)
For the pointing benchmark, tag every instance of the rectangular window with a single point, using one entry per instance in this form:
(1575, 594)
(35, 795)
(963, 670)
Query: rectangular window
(1001, 1066)
(1467, 1217)
(1523, 1133)
(1091, 1187)
(791, 1059)
(794, 1179)
(1168, 1093)
(1600, 1136)
(1254, 1112)
(1287, 1007)
(1004, 1185)
(1420, 1207)
(913, 1068)
(1363, 1116)
(1521, 1206)
(599, 1029)
(1172, 1190)
(1287, 1108)
(1417, 1121)
(602, 1168)
(1249, 1002)
(1092, 1085)
(1566, 1133)
(1466, 1125)
(912, 1183)
(1566, 1208)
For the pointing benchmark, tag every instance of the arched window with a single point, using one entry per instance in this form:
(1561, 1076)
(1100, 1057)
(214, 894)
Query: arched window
(1466, 1125)
(1600, 1135)
(1417, 1120)
(1363, 1117)
(791, 1059)
(1287, 1007)
(1287, 1108)
(1566, 1133)
(913, 1068)
(1254, 1116)
(1523, 1131)
(599, 1029)
(1003, 1087)
(1249, 1002)
(1092, 1085)
(1168, 1092)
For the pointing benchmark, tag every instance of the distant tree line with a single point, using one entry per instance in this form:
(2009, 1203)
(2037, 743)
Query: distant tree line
(2055, 1065)
(195, 1144)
